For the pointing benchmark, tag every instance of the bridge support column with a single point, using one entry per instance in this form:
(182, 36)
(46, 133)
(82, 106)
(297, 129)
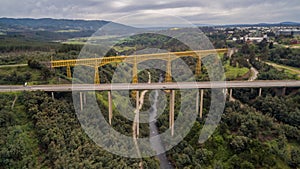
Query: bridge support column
(197, 103)
(198, 66)
(81, 103)
(134, 76)
(96, 78)
(84, 98)
(230, 94)
(135, 71)
(137, 113)
(259, 92)
(168, 76)
(283, 91)
(69, 75)
(201, 103)
(109, 107)
(52, 94)
(171, 113)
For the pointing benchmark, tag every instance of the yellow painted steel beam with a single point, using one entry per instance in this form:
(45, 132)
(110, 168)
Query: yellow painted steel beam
(169, 70)
(135, 60)
(69, 71)
(97, 74)
(198, 66)
(130, 59)
(135, 71)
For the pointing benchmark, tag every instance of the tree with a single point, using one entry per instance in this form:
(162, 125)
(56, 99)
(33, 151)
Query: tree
(34, 64)
(46, 73)
(264, 49)
(295, 159)
(247, 165)
(239, 143)
(245, 49)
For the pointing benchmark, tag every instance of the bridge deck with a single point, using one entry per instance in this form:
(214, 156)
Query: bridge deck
(152, 86)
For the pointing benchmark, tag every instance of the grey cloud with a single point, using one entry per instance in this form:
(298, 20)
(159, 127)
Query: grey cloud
(217, 11)
(154, 6)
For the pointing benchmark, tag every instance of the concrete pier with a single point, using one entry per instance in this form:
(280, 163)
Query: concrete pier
(171, 113)
(201, 103)
(259, 92)
(230, 94)
(109, 107)
(137, 113)
(81, 102)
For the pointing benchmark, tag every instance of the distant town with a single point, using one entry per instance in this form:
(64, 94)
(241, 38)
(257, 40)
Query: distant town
(257, 34)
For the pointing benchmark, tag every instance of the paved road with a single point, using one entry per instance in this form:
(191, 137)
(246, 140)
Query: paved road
(254, 74)
(153, 86)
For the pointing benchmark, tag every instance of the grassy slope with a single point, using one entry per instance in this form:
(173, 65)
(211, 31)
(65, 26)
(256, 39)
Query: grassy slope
(234, 72)
(288, 69)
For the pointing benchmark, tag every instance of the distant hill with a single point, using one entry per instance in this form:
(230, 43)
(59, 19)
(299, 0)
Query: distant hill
(261, 24)
(48, 24)
(290, 23)
(57, 29)
(61, 29)
(280, 24)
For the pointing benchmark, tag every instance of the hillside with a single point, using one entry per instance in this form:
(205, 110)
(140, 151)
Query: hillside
(58, 29)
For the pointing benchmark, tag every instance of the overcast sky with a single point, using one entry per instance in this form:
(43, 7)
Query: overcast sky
(195, 11)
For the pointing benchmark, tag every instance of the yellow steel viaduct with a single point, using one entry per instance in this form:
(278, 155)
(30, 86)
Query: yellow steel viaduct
(135, 60)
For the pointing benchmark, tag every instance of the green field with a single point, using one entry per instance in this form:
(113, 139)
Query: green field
(76, 41)
(234, 72)
(121, 49)
(94, 39)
